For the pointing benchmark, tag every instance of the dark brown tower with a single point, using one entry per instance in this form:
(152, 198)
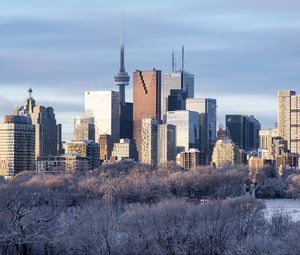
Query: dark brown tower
(146, 100)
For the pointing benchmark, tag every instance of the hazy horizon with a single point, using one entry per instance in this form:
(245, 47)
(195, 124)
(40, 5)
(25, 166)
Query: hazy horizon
(240, 52)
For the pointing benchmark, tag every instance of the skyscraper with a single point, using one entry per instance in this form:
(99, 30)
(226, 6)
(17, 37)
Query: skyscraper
(149, 142)
(146, 101)
(179, 80)
(207, 109)
(284, 115)
(84, 129)
(104, 107)
(187, 129)
(295, 124)
(166, 143)
(47, 139)
(244, 131)
(17, 141)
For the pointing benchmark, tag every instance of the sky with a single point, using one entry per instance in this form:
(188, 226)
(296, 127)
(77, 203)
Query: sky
(240, 51)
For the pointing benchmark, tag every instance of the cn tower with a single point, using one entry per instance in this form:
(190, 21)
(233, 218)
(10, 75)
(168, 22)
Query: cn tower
(122, 78)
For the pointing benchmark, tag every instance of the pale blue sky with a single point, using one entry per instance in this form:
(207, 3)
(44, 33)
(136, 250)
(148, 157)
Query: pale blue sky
(241, 51)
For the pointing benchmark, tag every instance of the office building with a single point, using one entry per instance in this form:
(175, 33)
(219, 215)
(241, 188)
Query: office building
(84, 129)
(17, 141)
(104, 107)
(166, 143)
(187, 129)
(176, 100)
(47, 139)
(124, 150)
(87, 149)
(126, 120)
(207, 109)
(149, 142)
(190, 159)
(106, 146)
(244, 131)
(146, 101)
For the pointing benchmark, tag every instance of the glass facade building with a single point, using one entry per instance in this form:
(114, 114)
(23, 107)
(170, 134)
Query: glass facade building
(104, 107)
(187, 129)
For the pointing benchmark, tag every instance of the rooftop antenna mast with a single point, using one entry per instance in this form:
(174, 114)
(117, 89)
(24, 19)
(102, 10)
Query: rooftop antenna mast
(182, 58)
(173, 61)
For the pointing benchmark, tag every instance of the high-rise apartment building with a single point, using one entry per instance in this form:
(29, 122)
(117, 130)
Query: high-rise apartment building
(104, 107)
(149, 142)
(179, 80)
(225, 153)
(244, 131)
(84, 129)
(47, 139)
(17, 141)
(207, 109)
(284, 114)
(295, 124)
(166, 143)
(146, 101)
(190, 159)
(266, 143)
(106, 146)
(187, 129)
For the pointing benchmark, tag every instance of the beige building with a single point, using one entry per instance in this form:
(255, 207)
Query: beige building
(266, 138)
(225, 153)
(149, 142)
(295, 124)
(106, 146)
(17, 143)
(284, 115)
(87, 149)
(65, 163)
(190, 159)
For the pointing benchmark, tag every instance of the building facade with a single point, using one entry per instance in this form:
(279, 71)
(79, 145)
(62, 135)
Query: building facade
(85, 148)
(104, 107)
(124, 150)
(190, 160)
(244, 131)
(106, 146)
(146, 101)
(166, 143)
(149, 142)
(187, 129)
(84, 129)
(17, 145)
(284, 114)
(179, 80)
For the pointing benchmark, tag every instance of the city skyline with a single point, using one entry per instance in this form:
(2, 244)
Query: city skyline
(62, 52)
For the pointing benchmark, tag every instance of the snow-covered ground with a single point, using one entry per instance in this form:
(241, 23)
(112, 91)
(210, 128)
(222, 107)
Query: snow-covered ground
(288, 206)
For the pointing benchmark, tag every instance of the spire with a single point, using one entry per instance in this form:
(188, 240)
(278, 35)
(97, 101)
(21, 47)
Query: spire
(122, 64)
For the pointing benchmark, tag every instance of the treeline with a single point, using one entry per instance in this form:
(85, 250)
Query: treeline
(127, 208)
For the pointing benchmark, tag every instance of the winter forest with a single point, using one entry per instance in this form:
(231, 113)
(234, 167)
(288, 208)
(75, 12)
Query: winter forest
(129, 208)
